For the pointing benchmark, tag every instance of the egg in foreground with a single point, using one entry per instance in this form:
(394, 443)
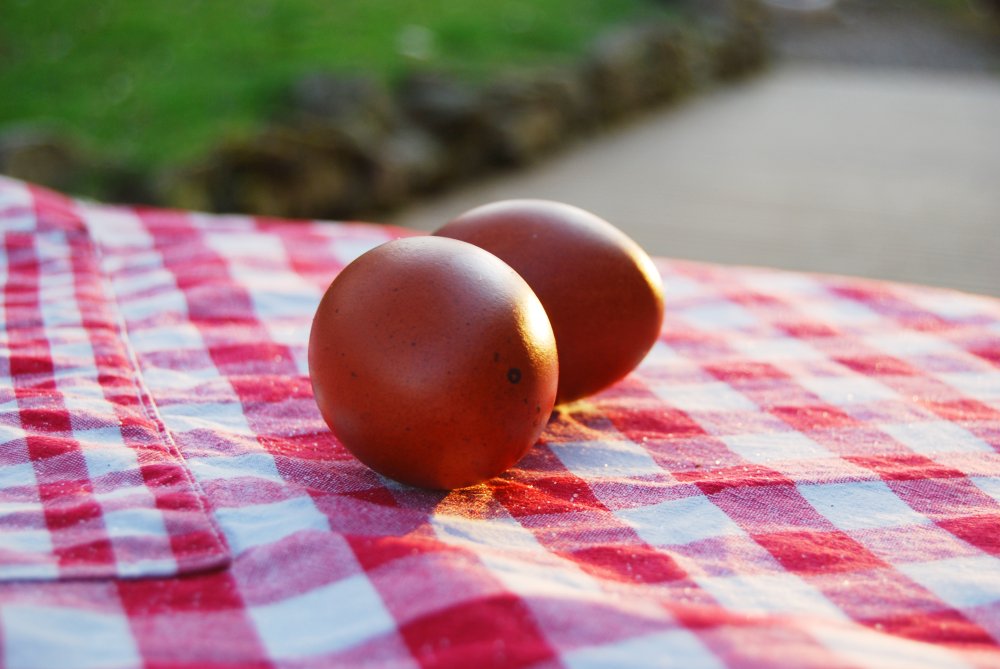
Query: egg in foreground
(433, 362)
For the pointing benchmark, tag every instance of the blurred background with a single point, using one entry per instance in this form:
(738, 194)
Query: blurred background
(853, 136)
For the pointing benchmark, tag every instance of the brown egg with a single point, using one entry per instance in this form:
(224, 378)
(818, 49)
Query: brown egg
(433, 362)
(602, 293)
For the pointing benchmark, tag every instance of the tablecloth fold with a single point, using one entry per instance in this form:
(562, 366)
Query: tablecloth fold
(91, 484)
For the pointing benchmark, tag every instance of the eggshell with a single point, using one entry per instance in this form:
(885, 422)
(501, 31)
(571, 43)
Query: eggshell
(433, 362)
(602, 293)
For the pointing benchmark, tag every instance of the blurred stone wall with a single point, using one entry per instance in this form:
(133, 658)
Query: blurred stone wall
(348, 147)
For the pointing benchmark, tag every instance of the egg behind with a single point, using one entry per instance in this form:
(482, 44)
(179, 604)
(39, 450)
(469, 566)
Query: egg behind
(433, 362)
(602, 292)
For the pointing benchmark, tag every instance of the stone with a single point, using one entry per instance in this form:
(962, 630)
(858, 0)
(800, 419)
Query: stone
(454, 114)
(439, 102)
(410, 161)
(668, 71)
(282, 172)
(343, 144)
(740, 47)
(530, 115)
(568, 89)
(636, 67)
(614, 67)
(360, 107)
(124, 183)
(42, 157)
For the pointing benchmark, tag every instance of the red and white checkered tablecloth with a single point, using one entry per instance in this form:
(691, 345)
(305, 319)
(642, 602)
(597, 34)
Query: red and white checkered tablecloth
(804, 472)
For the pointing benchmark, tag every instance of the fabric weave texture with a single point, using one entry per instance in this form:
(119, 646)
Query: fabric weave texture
(804, 472)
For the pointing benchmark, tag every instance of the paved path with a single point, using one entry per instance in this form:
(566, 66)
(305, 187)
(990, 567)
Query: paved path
(886, 173)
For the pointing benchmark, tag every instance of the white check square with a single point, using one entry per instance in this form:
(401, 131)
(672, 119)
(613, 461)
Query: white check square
(784, 283)
(678, 522)
(294, 335)
(169, 303)
(861, 505)
(169, 337)
(56, 292)
(989, 485)
(769, 593)
(160, 379)
(85, 639)
(218, 224)
(9, 433)
(346, 250)
(276, 291)
(52, 247)
(677, 287)
(845, 391)
(133, 260)
(322, 621)
(766, 449)
(146, 568)
(503, 533)
(59, 313)
(67, 353)
(606, 459)
(85, 406)
(248, 465)
(20, 475)
(672, 649)
(292, 332)
(715, 316)
(260, 524)
(118, 229)
(710, 396)
(776, 349)
(935, 437)
(661, 354)
(909, 343)
(246, 246)
(273, 303)
(136, 522)
(224, 417)
(132, 283)
(962, 582)
(16, 199)
(104, 451)
(46, 571)
(983, 386)
(542, 575)
(843, 312)
(27, 541)
(955, 306)
(866, 648)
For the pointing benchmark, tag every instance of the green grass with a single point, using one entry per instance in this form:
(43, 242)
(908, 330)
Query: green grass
(158, 81)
